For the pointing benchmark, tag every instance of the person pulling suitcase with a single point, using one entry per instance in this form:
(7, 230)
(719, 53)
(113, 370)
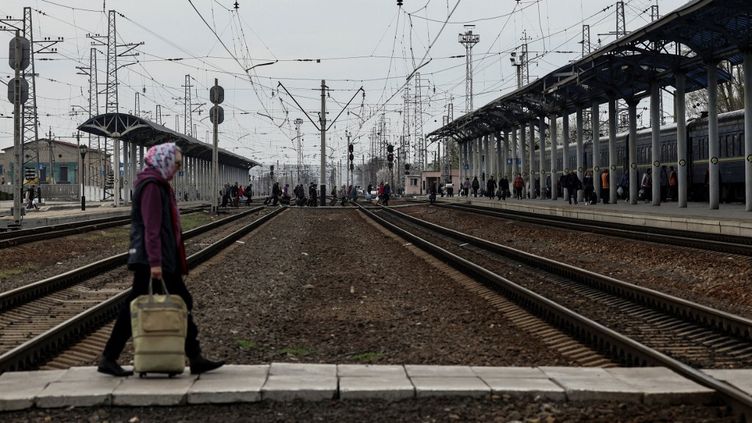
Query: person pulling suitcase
(154, 219)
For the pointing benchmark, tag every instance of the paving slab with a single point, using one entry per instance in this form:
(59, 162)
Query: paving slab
(509, 372)
(300, 386)
(592, 384)
(134, 391)
(526, 387)
(450, 386)
(33, 377)
(370, 370)
(389, 388)
(18, 389)
(741, 378)
(421, 370)
(302, 369)
(78, 393)
(662, 386)
(229, 384)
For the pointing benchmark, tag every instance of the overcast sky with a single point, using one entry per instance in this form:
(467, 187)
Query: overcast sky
(352, 43)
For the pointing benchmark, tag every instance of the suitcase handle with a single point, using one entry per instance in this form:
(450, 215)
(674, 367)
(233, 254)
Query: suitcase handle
(151, 289)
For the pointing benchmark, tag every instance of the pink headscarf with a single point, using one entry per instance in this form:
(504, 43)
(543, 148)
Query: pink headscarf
(161, 157)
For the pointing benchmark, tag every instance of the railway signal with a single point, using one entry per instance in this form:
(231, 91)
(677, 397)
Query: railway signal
(390, 156)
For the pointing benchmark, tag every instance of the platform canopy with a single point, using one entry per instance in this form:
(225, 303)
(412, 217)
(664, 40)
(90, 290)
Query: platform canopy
(143, 132)
(686, 41)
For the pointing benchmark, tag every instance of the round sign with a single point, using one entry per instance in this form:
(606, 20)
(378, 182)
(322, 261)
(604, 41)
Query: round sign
(633, 165)
(579, 169)
(613, 167)
(596, 168)
(217, 113)
(217, 94)
(683, 162)
(656, 164)
(749, 158)
(25, 49)
(714, 160)
(23, 90)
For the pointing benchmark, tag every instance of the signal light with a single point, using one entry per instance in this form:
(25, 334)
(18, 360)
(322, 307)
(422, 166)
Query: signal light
(390, 157)
(390, 148)
(350, 149)
(351, 157)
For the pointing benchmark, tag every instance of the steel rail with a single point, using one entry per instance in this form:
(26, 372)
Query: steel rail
(699, 314)
(35, 290)
(34, 351)
(612, 343)
(10, 239)
(700, 240)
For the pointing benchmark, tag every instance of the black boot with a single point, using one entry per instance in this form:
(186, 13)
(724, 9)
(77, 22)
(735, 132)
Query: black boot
(201, 365)
(111, 367)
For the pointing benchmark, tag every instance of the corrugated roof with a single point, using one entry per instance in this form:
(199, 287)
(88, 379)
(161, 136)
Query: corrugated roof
(714, 30)
(143, 132)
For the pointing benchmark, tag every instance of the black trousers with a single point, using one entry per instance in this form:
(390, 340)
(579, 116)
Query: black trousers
(122, 330)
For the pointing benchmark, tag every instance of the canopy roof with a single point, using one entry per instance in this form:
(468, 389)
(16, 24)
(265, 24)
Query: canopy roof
(705, 31)
(142, 132)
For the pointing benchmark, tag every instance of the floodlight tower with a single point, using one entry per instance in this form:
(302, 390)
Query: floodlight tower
(468, 39)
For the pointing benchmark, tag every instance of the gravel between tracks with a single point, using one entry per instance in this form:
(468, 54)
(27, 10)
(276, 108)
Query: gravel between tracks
(423, 410)
(715, 279)
(326, 286)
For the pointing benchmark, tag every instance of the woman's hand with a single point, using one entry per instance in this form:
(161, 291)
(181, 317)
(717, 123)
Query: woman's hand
(156, 272)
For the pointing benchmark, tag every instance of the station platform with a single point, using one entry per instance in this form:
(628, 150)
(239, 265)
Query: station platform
(84, 387)
(729, 219)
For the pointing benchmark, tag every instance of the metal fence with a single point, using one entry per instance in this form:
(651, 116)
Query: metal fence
(57, 192)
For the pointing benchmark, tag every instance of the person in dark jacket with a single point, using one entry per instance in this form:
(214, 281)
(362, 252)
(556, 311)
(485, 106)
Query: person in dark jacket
(573, 185)
(476, 186)
(156, 253)
(490, 188)
(587, 184)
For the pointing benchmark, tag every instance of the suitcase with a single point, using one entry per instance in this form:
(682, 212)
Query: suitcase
(159, 324)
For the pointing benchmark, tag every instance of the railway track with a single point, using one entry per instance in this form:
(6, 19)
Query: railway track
(23, 236)
(632, 325)
(40, 319)
(701, 240)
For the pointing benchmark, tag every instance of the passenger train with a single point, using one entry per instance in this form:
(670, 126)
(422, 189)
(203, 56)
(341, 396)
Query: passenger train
(731, 154)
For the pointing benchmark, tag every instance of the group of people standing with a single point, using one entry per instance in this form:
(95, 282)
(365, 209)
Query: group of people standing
(231, 195)
(569, 185)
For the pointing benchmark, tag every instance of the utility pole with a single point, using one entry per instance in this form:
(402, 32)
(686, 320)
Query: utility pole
(91, 72)
(29, 113)
(51, 176)
(299, 145)
(322, 121)
(420, 142)
(323, 129)
(520, 61)
(621, 23)
(20, 59)
(468, 39)
(111, 182)
(586, 46)
(217, 116)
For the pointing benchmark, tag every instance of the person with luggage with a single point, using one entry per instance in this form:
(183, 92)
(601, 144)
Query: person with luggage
(156, 253)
